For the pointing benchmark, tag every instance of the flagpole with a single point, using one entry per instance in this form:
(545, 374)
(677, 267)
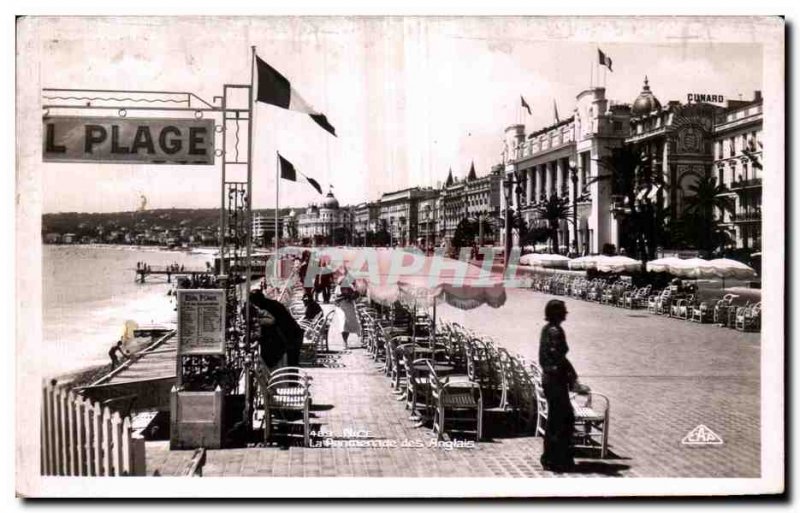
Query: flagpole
(249, 229)
(277, 205)
(591, 74)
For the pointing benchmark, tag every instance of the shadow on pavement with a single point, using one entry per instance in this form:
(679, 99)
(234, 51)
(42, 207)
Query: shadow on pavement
(598, 467)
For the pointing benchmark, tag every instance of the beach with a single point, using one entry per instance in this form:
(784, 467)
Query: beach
(89, 292)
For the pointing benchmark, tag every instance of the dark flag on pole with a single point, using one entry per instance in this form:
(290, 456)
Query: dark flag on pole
(555, 111)
(314, 184)
(605, 60)
(275, 89)
(525, 105)
(288, 172)
(287, 169)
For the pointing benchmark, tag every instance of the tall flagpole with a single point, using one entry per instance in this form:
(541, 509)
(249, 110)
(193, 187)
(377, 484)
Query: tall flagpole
(251, 112)
(277, 206)
(249, 227)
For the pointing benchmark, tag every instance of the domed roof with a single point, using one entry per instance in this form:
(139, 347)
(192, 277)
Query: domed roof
(646, 102)
(330, 201)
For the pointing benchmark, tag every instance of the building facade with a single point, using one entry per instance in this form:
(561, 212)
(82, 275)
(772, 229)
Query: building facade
(366, 221)
(263, 228)
(677, 143)
(326, 222)
(564, 160)
(476, 198)
(738, 168)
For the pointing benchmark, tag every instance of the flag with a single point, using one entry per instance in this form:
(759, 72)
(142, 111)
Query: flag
(555, 110)
(525, 104)
(314, 184)
(275, 89)
(288, 172)
(605, 60)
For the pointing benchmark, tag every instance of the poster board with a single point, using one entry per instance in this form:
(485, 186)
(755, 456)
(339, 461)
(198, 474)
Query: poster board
(201, 322)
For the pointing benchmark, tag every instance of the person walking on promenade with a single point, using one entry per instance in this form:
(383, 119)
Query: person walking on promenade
(347, 310)
(324, 284)
(558, 377)
(302, 271)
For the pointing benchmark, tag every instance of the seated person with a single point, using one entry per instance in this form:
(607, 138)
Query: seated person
(283, 331)
(312, 307)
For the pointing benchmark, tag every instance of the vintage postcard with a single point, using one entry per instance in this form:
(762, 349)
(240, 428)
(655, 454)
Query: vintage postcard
(329, 254)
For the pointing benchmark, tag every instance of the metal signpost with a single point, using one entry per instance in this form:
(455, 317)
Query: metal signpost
(174, 130)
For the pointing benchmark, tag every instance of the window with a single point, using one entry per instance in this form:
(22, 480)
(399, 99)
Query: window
(617, 125)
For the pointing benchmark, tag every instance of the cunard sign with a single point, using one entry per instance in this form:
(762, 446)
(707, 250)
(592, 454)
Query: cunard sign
(704, 98)
(118, 140)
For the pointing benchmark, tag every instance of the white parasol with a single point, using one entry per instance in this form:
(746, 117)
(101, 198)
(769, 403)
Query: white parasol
(617, 264)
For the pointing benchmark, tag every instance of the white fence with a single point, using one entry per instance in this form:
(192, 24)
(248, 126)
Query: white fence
(81, 438)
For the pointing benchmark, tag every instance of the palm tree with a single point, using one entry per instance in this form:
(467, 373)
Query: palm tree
(553, 210)
(633, 180)
(705, 200)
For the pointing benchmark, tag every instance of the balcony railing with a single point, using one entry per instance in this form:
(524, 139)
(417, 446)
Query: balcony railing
(746, 217)
(744, 184)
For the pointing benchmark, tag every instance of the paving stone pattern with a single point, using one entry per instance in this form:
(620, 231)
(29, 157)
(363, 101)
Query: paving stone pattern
(663, 376)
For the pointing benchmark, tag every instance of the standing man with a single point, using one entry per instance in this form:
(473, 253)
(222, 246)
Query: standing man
(558, 377)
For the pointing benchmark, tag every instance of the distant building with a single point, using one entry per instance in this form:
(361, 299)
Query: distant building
(399, 211)
(326, 222)
(264, 228)
(366, 220)
(737, 157)
(475, 197)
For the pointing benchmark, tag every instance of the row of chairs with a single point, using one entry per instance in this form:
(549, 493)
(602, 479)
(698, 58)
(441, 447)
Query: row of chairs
(482, 377)
(415, 363)
(668, 301)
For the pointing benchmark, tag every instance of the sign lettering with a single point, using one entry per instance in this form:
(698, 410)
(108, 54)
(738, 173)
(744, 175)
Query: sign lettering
(128, 140)
(705, 98)
(201, 321)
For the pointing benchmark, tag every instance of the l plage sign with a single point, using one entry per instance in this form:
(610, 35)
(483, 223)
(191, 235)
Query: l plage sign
(128, 140)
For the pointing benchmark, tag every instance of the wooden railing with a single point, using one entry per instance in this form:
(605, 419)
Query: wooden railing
(82, 438)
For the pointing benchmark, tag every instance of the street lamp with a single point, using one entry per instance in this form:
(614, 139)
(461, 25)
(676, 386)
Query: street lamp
(508, 188)
(427, 226)
(573, 174)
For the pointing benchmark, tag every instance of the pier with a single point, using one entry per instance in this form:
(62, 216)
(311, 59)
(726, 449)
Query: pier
(169, 271)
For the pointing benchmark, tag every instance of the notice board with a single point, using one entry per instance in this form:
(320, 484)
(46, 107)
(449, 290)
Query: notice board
(201, 321)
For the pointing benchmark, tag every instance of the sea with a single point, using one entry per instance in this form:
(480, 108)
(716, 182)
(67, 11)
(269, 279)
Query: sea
(90, 291)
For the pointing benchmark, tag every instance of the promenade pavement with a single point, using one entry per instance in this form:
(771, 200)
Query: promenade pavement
(664, 377)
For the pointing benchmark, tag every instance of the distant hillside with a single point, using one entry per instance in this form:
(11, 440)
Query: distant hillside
(81, 223)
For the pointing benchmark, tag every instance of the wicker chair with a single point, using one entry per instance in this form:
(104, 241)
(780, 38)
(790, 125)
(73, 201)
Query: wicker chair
(591, 422)
(702, 313)
(749, 318)
(458, 406)
(285, 395)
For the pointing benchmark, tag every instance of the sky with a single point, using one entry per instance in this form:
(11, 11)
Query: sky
(410, 97)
